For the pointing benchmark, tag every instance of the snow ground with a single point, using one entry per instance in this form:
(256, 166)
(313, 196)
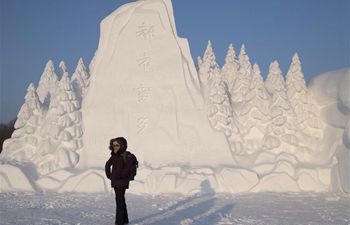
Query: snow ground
(198, 209)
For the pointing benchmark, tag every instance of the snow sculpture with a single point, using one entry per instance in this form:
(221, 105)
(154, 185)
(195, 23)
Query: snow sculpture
(208, 70)
(331, 92)
(62, 68)
(230, 68)
(23, 142)
(92, 64)
(204, 130)
(274, 78)
(242, 82)
(47, 83)
(283, 124)
(148, 91)
(80, 80)
(215, 92)
(58, 150)
(255, 111)
(307, 114)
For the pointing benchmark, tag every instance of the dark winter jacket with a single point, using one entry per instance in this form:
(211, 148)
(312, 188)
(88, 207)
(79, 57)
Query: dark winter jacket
(120, 170)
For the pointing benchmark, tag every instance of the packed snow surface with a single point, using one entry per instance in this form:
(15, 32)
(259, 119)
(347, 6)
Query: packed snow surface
(199, 209)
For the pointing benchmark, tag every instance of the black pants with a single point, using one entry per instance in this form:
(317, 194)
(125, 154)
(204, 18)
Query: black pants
(121, 215)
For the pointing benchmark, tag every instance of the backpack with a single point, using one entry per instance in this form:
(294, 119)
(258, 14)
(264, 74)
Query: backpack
(135, 165)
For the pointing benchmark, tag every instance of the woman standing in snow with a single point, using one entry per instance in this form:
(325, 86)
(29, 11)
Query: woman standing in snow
(121, 162)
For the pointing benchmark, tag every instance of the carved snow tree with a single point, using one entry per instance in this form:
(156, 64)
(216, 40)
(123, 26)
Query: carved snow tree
(80, 80)
(255, 111)
(304, 106)
(47, 83)
(64, 129)
(282, 133)
(242, 81)
(22, 145)
(230, 69)
(208, 70)
(62, 68)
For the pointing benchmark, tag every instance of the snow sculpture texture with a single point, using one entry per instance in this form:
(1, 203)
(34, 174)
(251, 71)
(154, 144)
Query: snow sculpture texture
(153, 91)
(331, 92)
(202, 128)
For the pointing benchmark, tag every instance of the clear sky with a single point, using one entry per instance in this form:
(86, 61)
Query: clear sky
(35, 31)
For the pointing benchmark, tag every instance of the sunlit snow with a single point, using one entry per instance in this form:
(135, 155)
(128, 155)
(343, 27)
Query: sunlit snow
(175, 209)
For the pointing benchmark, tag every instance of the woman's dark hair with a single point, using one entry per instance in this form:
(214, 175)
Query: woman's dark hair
(120, 140)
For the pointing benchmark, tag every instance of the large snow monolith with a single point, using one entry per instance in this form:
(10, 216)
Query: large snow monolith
(145, 87)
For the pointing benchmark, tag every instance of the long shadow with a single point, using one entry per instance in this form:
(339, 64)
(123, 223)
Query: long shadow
(223, 212)
(179, 204)
(198, 209)
(206, 191)
(187, 213)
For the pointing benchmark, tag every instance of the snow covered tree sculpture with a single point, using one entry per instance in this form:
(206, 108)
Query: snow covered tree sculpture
(274, 78)
(307, 113)
(219, 110)
(221, 115)
(58, 150)
(242, 81)
(62, 68)
(47, 83)
(69, 122)
(282, 133)
(21, 146)
(208, 70)
(255, 111)
(80, 80)
(230, 68)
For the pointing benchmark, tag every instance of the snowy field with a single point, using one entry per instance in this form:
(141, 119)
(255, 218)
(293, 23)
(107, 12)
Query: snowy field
(198, 209)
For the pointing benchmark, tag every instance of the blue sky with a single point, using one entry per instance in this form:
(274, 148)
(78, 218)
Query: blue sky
(35, 31)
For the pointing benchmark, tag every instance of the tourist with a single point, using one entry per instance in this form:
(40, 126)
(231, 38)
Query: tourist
(121, 162)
